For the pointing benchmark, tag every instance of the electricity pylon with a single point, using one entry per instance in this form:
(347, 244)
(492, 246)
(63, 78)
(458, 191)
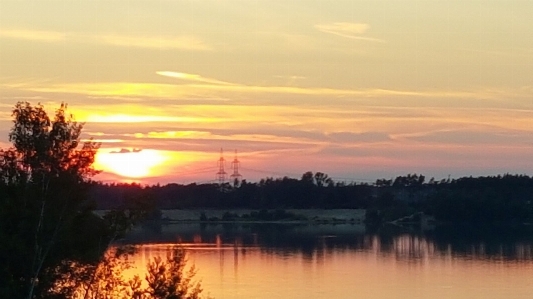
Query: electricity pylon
(221, 174)
(236, 176)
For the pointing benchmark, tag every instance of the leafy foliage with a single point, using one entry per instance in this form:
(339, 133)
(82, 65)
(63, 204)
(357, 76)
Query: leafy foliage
(43, 184)
(45, 148)
(52, 244)
(165, 279)
(170, 280)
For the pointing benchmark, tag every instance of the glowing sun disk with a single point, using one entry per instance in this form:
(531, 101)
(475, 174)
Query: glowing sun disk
(134, 164)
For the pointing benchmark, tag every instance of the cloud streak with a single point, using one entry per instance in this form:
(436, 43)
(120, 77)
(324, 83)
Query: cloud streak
(33, 35)
(192, 77)
(204, 135)
(348, 30)
(199, 84)
(181, 42)
(247, 100)
(126, 118)
(153, 42)
(476, 137)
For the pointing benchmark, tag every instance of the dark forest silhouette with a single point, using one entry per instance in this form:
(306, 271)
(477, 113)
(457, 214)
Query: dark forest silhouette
(504, 198)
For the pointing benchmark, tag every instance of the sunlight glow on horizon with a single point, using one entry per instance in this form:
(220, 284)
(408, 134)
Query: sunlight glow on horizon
(131, 164)
(147, 165)
(125, 118)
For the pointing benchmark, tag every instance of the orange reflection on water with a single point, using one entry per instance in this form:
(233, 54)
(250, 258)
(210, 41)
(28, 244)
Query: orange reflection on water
(409, 267)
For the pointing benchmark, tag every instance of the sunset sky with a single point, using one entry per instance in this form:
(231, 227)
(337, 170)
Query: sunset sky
(357, 89)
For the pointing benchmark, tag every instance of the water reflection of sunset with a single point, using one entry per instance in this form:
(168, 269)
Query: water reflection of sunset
(406, 266)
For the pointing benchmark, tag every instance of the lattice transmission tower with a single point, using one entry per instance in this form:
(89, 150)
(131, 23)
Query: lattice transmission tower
(221, 174)
(236, 176)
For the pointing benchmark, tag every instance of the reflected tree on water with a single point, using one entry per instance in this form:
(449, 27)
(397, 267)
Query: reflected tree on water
(170, 279)
(165, 278)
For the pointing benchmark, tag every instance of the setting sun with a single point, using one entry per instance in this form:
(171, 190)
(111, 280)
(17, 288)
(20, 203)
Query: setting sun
(131, 164)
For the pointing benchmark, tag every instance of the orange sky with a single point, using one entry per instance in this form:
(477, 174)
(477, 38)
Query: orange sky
(357, 89)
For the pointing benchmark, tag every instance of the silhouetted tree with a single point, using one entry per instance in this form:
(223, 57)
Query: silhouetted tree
(165, 278)
(42, 183)
(170, 280)
(322, 179)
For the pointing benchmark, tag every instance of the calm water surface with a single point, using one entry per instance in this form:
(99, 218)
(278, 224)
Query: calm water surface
(344, 261)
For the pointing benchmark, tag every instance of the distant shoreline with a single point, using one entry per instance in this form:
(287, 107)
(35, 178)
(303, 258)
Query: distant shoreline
(296, 216)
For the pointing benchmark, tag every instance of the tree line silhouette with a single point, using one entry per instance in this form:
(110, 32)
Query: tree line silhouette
(502, 198)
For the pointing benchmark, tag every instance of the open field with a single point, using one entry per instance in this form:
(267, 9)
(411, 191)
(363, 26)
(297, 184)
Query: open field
(314, 215)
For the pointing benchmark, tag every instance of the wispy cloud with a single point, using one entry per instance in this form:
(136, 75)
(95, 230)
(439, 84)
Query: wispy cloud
(33, 35)
(348, 30)
(472, 137)
(103, 140)
(291, 77)
(291, 80)
(200, 87)
(357, 138)
(191, 77)
(203, 135)
(125, 151)
(126, 118)
(183, 42)
(155, 42)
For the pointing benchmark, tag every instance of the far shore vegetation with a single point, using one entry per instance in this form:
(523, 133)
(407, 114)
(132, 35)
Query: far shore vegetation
(502, 199)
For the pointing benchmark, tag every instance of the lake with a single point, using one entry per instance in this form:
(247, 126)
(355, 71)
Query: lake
(347, 261)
